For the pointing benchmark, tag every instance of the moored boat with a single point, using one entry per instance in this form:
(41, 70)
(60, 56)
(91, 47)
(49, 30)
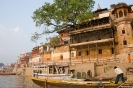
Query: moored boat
(54, 83)
(4, 73)
(51, 70)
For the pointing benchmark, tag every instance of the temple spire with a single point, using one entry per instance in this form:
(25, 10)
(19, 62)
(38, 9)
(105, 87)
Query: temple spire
(98, 7)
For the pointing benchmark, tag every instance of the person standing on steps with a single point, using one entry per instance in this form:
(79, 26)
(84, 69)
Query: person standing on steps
(129, 58)
(120, 74)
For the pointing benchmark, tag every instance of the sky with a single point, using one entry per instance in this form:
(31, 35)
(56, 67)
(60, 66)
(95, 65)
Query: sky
(17, 26)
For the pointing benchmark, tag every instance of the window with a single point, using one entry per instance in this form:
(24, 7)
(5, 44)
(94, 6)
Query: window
(79, 53)
(125, 13)
(72, 54)
(120, 14)
(123, 31)
(61, 35)
(125, 42)
(65, 42)
(100, 51)
(87, 52)
(61, 57)
(112, 50)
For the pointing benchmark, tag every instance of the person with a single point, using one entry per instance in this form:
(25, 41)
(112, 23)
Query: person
(63, 69)
(120, 74)
(129, 58)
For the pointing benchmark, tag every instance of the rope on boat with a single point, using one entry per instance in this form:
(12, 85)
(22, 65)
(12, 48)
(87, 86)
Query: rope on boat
(124, 82)
(45, 82)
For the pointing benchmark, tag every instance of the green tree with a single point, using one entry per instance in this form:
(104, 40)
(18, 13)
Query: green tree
(62, 14)
(54, 41)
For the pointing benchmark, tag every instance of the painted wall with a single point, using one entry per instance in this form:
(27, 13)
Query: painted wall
(61, 51)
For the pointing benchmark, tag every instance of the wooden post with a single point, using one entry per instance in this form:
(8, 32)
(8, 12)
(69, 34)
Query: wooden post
(70, 41)
(96, 54)
(70, 54)
(88, 53)
(81, 55)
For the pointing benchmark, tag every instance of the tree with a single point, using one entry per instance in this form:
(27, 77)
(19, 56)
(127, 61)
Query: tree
(54, 41)
(62, 14)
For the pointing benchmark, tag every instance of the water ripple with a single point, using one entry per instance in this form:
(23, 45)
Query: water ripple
(16, 81)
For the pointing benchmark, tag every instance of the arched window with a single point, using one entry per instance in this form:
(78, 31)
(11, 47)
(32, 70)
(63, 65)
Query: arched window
(125, 13)
(120, 14)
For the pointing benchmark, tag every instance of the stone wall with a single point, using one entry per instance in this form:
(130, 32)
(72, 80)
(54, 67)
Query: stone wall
(63, 52)
(61, 49)
(82, 69)
(46, 56)
(25, 71)
(109, 70)
(28, 71)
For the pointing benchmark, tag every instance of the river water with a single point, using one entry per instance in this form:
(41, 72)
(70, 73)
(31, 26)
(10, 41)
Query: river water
(16, 81)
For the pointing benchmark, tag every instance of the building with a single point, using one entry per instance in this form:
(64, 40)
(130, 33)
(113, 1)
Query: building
(35, 56)
(45, 53)
(105, 38)
(24, 59)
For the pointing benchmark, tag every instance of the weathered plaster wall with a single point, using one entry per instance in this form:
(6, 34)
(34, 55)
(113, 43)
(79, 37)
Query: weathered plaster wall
(83, 68)
(94, 53)
(46, 56)
(61, 51)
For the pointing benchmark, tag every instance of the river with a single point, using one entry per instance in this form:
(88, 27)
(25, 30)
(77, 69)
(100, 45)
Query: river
(16, 81)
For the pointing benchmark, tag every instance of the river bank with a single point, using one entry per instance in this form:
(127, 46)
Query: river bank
(80, 72)
(97, 70)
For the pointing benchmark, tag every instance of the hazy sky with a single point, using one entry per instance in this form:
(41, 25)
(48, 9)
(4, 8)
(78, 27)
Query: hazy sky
(17, 26)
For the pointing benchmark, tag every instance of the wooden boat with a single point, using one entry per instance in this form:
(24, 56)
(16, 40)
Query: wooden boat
(4, 73)
(54, 83)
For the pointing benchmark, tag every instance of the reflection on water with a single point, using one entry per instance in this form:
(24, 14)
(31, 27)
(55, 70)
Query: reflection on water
(16, 81)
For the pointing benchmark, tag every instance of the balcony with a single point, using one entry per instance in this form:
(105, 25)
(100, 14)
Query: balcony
(92, 42)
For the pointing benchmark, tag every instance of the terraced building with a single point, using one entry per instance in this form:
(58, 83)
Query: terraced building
(107, 37)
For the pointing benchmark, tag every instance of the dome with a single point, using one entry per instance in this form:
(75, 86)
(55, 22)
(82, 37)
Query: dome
(120, 4)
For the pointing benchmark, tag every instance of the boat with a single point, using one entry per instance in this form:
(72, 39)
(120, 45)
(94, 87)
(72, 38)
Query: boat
(52, 75)
(52, 83)
(5, 73)
(51, 70)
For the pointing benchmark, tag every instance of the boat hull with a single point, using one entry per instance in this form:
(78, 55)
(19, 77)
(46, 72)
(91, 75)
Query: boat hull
(52, 83)
(7, 73)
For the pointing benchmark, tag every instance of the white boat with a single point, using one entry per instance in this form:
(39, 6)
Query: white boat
(52, 70)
